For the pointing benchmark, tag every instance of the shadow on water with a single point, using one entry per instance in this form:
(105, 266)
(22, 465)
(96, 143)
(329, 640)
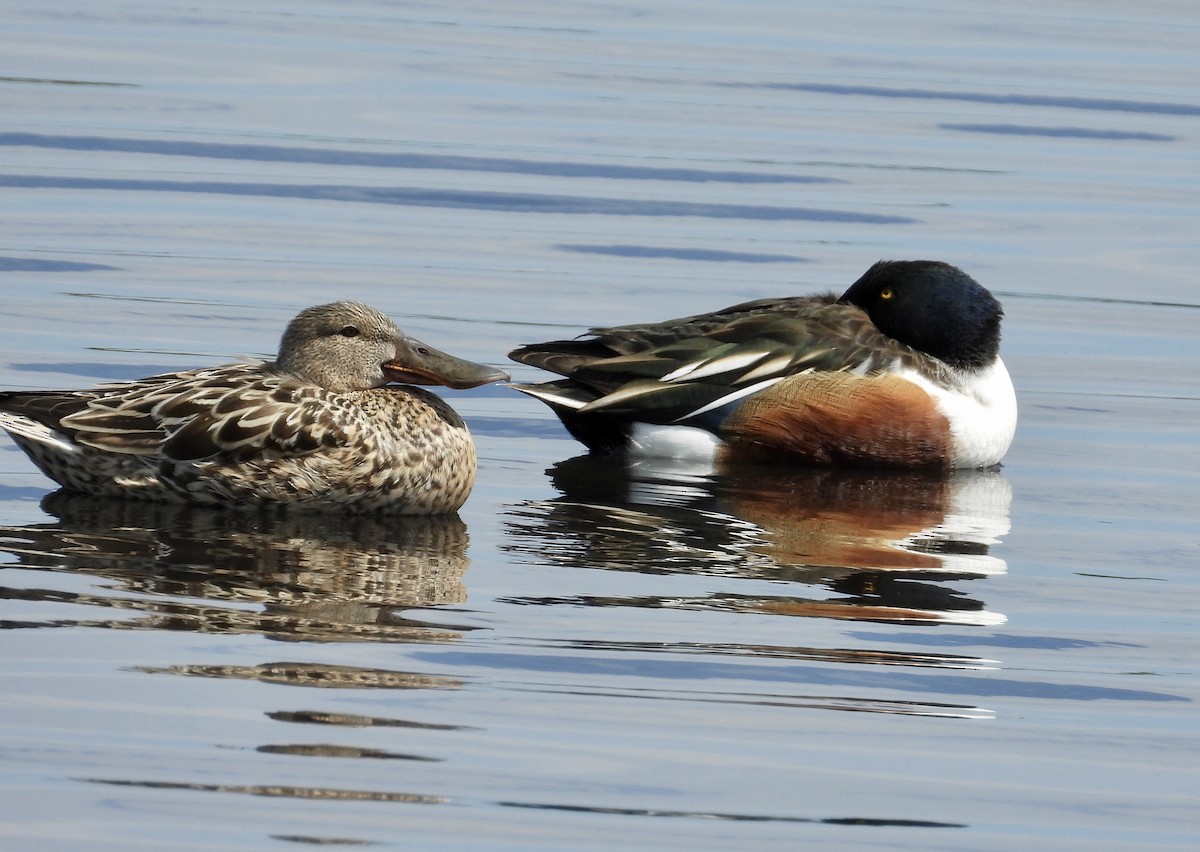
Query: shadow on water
(288, 577)
(884, 543)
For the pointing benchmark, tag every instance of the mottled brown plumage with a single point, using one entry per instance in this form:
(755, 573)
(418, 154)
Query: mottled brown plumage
(319, 427)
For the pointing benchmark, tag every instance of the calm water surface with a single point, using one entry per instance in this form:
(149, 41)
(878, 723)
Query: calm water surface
(589, 655)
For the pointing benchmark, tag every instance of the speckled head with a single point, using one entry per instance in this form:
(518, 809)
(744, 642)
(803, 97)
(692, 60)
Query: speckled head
(348, 346)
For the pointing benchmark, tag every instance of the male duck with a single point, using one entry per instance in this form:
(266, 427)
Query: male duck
(902, 371)
(315, 428)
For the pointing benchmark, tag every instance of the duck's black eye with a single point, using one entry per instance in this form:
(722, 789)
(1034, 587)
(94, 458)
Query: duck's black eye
(350, 331)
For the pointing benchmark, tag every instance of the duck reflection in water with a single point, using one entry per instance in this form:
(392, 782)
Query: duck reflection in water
(339, 578)
(884, 542)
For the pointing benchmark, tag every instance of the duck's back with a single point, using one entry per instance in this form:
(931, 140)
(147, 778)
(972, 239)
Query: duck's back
(695, 371)
(244, 434)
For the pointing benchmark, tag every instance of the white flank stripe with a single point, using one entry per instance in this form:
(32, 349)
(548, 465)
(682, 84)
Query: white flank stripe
(724, 364)
(730, 397)
(769, 368)
(677, 374)
(553, 398)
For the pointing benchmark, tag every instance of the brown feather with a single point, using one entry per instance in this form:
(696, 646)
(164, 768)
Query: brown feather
(822, 418)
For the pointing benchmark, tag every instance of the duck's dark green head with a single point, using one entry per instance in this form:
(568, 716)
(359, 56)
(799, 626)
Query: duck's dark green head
(933, 307)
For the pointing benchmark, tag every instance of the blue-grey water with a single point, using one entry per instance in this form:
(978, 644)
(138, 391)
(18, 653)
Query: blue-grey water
(589, 656)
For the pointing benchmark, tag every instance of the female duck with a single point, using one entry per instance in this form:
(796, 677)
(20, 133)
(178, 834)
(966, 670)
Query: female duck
(319, 427)
(902, 371)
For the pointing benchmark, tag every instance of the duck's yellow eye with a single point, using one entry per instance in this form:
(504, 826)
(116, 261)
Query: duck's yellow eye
(886, 294)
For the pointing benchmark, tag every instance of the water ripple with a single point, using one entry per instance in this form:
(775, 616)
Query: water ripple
(411, 196)
(595, 809)
(1059, 132)
(30, 264)
(1055, 101)
(686, 253)
(397, 160)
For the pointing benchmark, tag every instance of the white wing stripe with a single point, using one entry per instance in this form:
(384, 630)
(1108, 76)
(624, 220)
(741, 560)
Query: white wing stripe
(730, 397)
(548, 395)
(768, 368)
(714, 366)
